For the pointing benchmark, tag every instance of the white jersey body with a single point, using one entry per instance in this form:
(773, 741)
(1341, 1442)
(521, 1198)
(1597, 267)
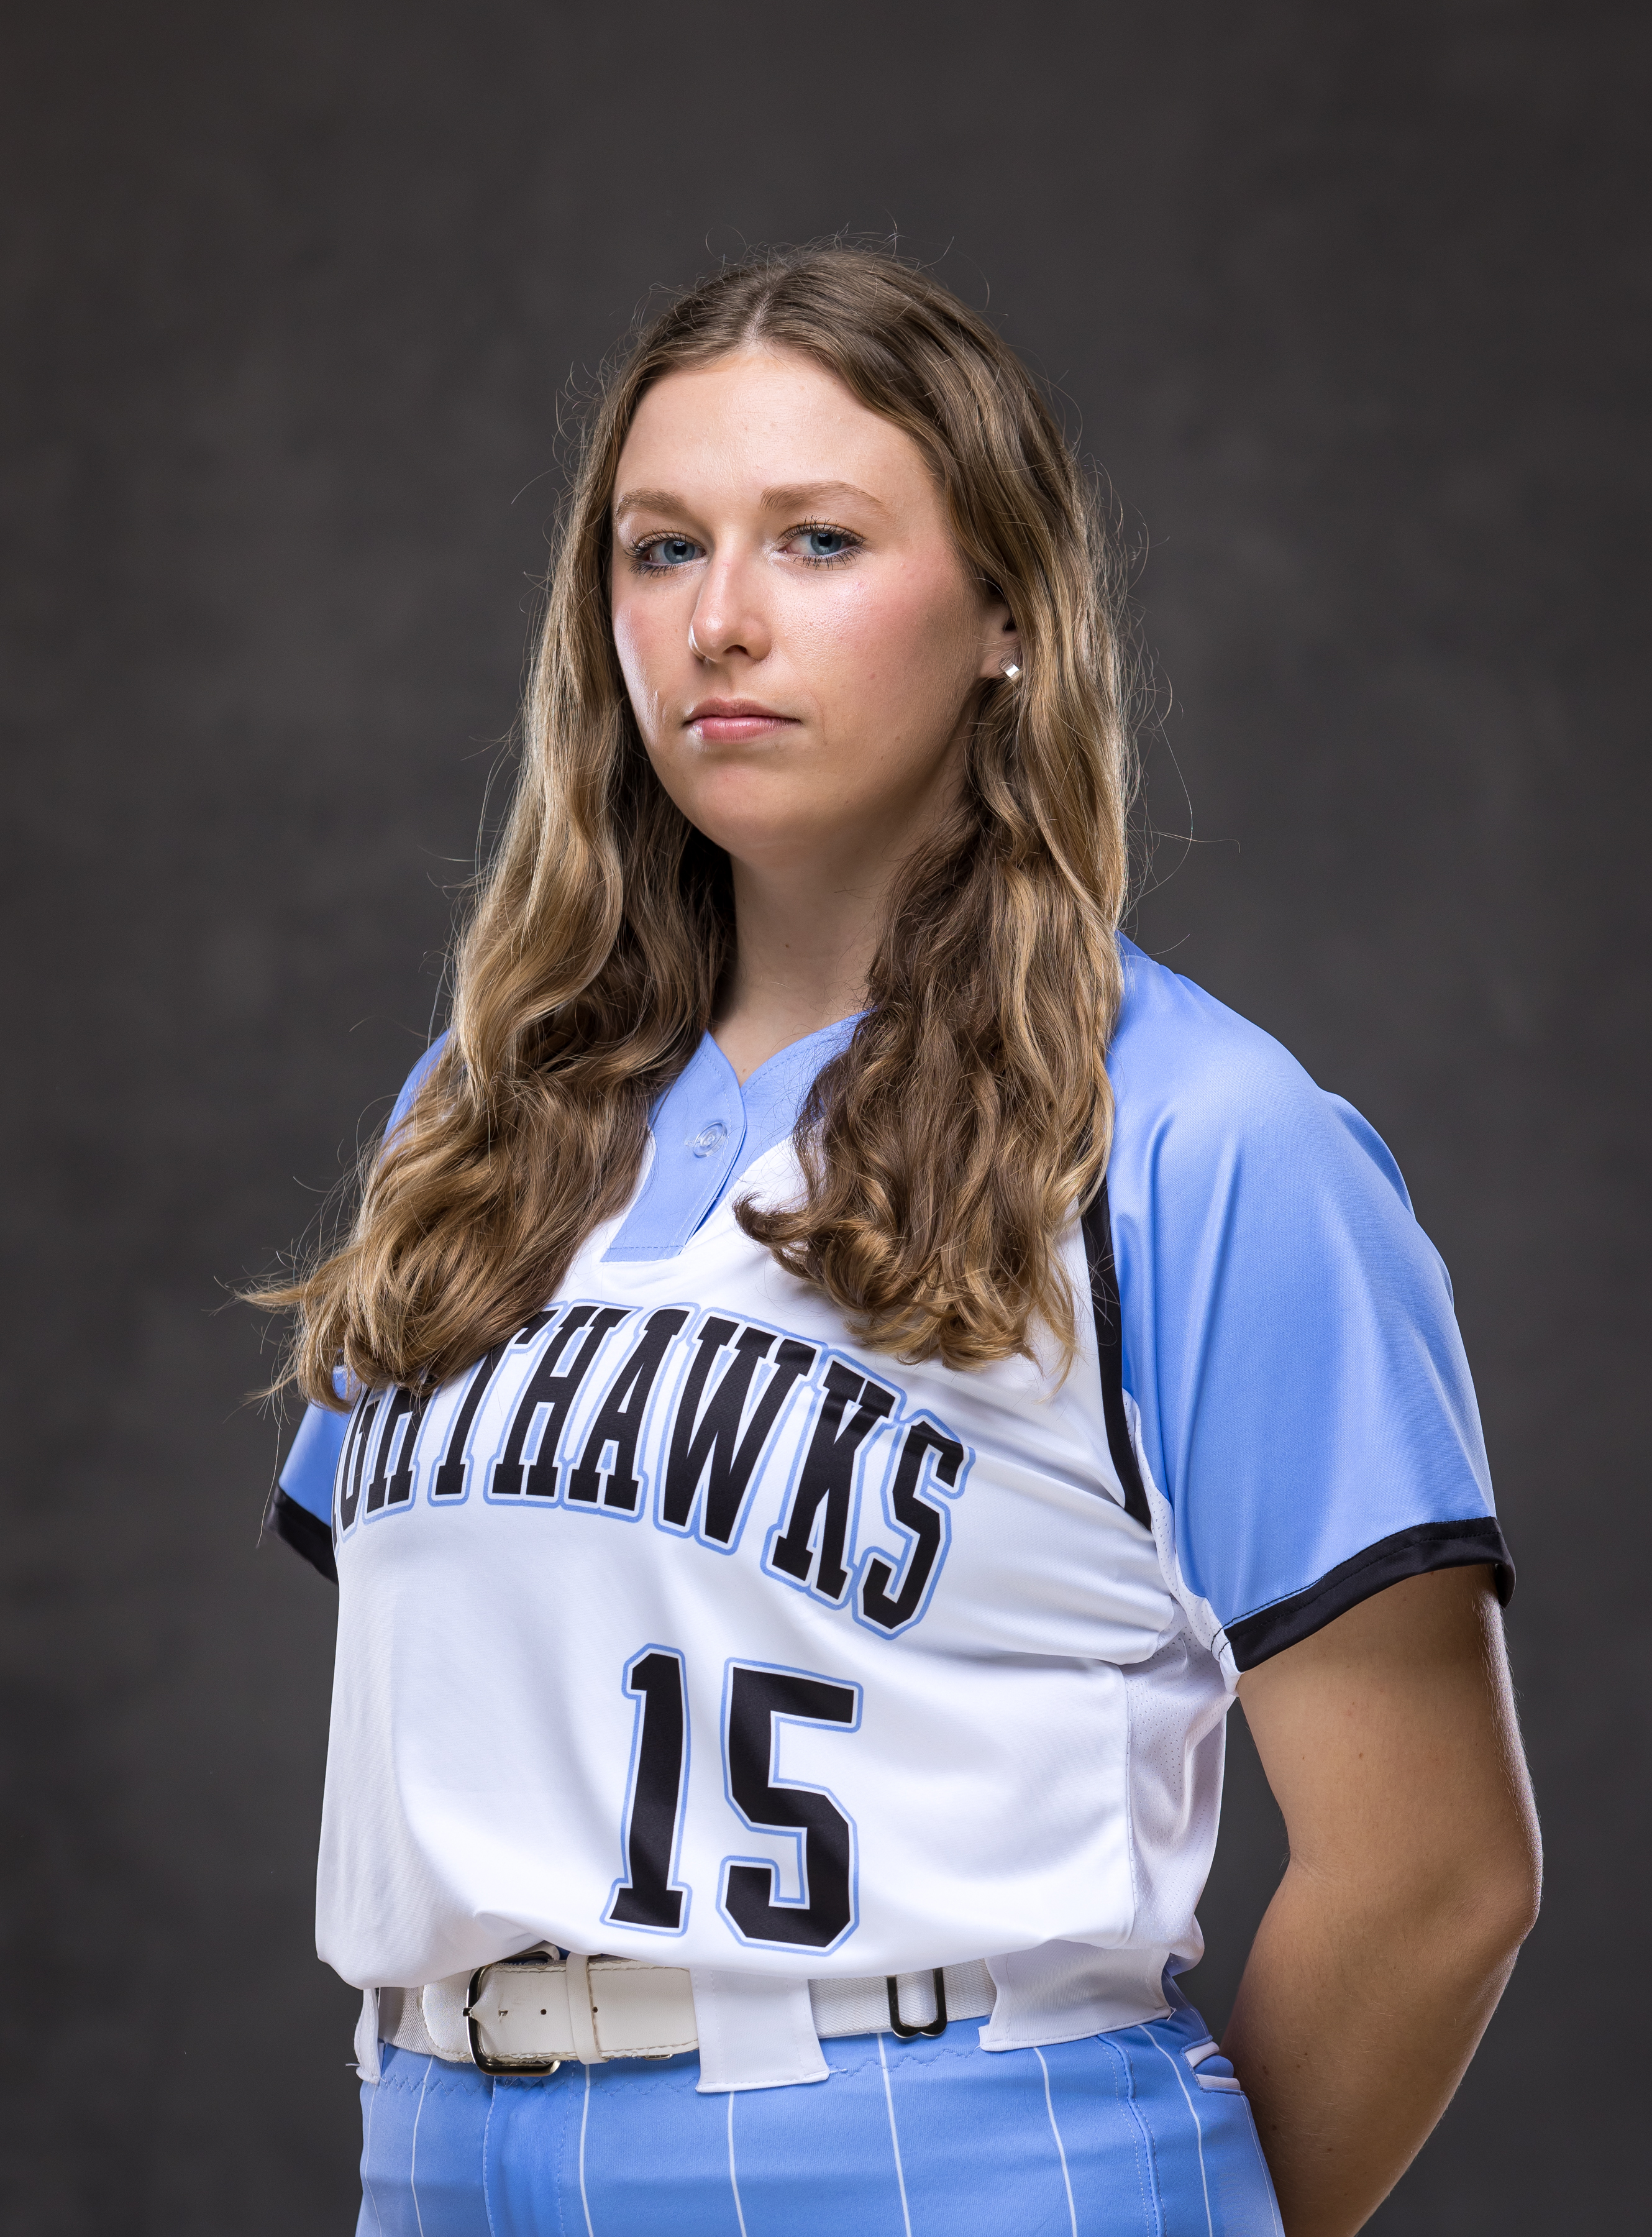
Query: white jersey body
(976, 1611)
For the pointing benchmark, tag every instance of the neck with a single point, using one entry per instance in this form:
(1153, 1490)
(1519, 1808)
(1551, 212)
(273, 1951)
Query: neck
(804, 947)
(808, 917)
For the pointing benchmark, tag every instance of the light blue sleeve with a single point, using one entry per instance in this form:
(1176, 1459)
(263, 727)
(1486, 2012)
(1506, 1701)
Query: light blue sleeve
(312, 1457)
(1305, 1410)
(312, 1460)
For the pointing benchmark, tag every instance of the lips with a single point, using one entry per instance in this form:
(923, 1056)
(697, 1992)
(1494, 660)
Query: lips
(729, 721)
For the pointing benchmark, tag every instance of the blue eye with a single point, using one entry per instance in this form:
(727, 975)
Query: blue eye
(821, 545)
(667, 552)
(827, 543)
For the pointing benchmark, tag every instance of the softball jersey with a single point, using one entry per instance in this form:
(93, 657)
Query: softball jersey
(683, 1627)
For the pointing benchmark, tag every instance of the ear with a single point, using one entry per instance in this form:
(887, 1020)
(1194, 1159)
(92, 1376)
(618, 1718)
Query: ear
(1000, 638)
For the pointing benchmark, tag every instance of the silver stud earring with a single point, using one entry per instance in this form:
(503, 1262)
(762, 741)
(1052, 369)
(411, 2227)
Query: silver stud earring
(1009, 671)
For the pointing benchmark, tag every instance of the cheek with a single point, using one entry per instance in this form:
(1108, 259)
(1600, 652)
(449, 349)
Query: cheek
(907, 640)
(645, 640)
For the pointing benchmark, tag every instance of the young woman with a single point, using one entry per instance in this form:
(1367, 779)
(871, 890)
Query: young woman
(842, 1370)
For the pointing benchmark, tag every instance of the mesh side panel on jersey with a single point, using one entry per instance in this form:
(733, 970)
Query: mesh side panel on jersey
(1176, 1704)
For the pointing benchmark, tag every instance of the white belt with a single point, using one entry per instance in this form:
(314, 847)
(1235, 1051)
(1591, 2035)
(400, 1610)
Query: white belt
(527, 2015)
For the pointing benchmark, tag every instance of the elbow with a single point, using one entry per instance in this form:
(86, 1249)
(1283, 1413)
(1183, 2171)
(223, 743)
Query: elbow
(1455, 1909)
(1513, 1875)
(1482, 1909)
(1505, 1911)
(1524, 1895)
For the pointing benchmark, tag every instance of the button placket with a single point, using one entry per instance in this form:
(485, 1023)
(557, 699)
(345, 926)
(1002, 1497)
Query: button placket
(712, 1145)
(697, 1130)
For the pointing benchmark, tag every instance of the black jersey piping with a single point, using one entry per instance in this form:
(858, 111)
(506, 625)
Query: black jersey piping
(1410, 1553)
(1109, 1344)
(305, 1533)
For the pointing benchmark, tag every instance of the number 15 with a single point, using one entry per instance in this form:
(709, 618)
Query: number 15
(757, 1700)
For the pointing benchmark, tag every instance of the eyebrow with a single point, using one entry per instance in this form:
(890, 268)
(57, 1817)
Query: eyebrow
(789, 497)
(798, 495)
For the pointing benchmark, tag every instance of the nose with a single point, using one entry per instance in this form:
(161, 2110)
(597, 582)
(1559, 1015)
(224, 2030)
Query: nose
(730, 617)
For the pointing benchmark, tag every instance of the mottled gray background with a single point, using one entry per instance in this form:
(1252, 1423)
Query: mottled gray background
(1350, 304)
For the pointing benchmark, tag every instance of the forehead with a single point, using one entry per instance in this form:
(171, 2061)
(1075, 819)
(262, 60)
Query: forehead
(764, 419)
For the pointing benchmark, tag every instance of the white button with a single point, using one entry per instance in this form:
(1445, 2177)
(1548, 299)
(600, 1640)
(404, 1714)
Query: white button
(708, 1138)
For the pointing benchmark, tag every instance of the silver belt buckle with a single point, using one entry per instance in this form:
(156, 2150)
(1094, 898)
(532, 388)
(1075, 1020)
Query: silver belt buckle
(537, 1961)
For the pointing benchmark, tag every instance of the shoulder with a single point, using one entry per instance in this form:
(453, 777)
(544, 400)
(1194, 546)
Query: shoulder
(1201, 1091)
(1178, 1053)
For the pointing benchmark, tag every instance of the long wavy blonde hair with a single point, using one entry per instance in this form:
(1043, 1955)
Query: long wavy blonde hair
(943, 1152)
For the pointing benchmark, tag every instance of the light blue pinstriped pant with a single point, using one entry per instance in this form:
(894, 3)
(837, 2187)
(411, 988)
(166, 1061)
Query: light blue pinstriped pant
(1110, 2137)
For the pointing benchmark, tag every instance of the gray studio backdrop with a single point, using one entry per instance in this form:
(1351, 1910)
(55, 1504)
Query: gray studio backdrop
(1347, 302)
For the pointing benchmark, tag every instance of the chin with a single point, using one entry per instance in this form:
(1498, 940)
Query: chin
(765, 846)
(760, 830)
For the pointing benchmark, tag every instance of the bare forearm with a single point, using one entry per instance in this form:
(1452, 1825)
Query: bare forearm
(1356, 2017)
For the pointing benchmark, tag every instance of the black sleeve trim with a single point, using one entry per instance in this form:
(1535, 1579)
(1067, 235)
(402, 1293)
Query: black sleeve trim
(1109, 1343)
(305, 1533)
(1408, 1554)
